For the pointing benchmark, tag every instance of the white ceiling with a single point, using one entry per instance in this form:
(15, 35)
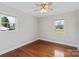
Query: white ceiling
(29, 7)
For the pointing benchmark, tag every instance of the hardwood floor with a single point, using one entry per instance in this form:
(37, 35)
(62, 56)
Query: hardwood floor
(42, 48)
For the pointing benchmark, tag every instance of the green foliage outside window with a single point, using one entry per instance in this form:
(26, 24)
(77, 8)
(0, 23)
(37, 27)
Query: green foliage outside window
(5, 22)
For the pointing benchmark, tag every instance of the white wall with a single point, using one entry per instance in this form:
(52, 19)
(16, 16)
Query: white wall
(47, 30)
(78, 27)
(26, 29)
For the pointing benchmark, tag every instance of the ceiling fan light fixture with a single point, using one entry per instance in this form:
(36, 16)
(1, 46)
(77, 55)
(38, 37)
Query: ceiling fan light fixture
(44, 7)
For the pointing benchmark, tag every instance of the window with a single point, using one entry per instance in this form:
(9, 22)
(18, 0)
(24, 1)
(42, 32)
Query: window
(7, 23)
(59, 26)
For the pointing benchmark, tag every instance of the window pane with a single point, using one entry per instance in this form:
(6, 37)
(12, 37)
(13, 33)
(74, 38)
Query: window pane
(59, 26)
(7, 23)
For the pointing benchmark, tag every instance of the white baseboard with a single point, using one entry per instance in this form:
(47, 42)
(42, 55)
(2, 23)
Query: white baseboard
(15, 47)
(61, 43)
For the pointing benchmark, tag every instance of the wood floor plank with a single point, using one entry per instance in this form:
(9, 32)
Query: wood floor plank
(41, 48)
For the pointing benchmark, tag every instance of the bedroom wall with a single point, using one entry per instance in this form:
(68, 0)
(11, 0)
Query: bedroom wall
(47, 31)
(26, 29)
(78, 27)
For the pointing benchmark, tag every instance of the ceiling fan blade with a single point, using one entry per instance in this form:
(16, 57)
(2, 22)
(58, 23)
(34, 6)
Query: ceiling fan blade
(50, 3)
(38, 9)
(51, 9)
(37, 4)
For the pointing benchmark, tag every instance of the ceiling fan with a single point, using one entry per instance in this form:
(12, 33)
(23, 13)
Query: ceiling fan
(44, 7)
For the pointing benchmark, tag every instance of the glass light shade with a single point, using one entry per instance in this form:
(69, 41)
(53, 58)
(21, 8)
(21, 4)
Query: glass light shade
(43, 10)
